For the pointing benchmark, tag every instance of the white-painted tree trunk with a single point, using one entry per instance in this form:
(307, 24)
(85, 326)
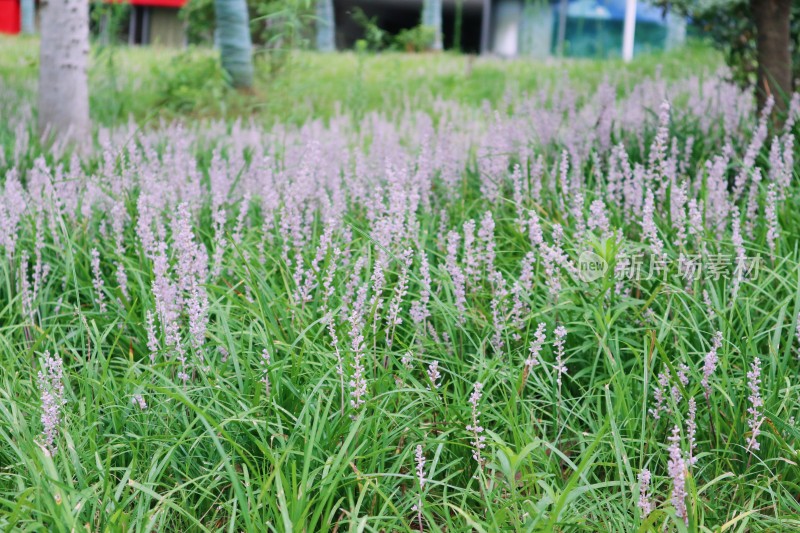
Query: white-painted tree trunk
(233, 39)
(27, 10)
(676, 30)
(561, 36)
(486, 25)
(326, 26)
(432, 17)
(63, 65)
(629, 30)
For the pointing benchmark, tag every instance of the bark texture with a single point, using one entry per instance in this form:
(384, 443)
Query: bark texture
(774, 59)
(233, 39)
(63, 64)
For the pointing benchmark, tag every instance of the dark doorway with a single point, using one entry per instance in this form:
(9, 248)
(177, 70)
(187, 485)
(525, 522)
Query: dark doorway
(139, 29)
(470, 27)
(393, 16)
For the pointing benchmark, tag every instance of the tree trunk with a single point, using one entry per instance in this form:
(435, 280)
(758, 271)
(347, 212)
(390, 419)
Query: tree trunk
(326, 24)
(432, 17)
(233, 39)
(63, 64)
(561, 36)
(486, 25)
(774, 60)
(28, 16)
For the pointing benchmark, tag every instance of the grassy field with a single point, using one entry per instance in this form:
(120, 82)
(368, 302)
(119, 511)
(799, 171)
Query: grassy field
(155, 83)
(413, 293)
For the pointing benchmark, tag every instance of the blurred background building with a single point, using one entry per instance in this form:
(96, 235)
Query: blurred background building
(508, 28)
(156, 22)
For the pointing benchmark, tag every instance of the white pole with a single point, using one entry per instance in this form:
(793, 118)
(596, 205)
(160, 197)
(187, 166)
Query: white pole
(628, 30)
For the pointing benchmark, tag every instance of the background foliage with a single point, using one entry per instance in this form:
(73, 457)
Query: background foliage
(728, 24)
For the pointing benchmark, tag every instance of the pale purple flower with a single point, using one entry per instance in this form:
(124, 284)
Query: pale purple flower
(576, 210)
(456, 275)
(598, 219)
(304, 281)
(122, 279)
(676, 467)
(709, 306)
(753, 149)
(191, 266)
(659, 395)
(645, 504)
(434, 375)
(558, 233)
(677, 207)
(498, 306)
(26, 294)
(180, 352)
(553, 260)
(710, 362)
(718, 204)
(393, 318)
(339, 360)
(220, 242)
(696, 226)
(771, 216)
(40, 268)
(472, 255)
(741, 254)
(358, 381)
(560, 333)
(756, 417)
(244, 204)
(691, 430)
(793, 113)
(535, 234)
(378, 280)
(683, 374)
(419, 308)
(419, 458)
(118, 225)
(777, 166)
(328, 288)
(751, 209)
(51, 389)
(139, 402)
(536, 346)
(152, 341)
(649, 229)
(97, 281)
(197, 310)
(420, 461)
(166, 296)
(519, 185)
(486, 236)
(12, 208)
(519, 307)
(658, 150)
(563, 173)
(784, 178)
(352, 286)
(474, 427)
